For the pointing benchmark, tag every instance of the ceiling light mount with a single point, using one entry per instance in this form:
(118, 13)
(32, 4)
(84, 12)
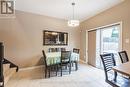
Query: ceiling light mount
(73, 3)
(73, 22)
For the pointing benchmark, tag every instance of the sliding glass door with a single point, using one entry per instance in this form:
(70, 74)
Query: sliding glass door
(107, 41)
(104, 40)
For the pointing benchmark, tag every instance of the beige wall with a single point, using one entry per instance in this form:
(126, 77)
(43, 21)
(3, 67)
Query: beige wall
(23, 37)
(116, 14)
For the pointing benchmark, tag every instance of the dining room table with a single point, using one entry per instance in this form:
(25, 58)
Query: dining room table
(123, 68)
(54, 57)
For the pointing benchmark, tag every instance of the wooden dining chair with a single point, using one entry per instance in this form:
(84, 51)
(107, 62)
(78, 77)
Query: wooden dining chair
(63, 49)
(52, 50)
(75, 50)
(111, 77)
(49, 66)
(123, 56)
(65, 60)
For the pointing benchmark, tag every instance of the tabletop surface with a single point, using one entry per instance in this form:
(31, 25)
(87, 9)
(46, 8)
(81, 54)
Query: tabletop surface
(54, 57)
(58, 54)
(53, 54)
(123, 68)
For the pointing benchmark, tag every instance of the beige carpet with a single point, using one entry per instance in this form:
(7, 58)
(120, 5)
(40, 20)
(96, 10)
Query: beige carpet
(86, 76)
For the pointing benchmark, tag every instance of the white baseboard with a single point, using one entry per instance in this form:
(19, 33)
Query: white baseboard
(82, 61)
(33, 67)
(41, 66)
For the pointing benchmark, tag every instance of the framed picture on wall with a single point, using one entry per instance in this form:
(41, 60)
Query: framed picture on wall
(55, 38)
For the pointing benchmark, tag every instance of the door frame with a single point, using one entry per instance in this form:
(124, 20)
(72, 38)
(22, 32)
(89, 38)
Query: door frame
(93, 29)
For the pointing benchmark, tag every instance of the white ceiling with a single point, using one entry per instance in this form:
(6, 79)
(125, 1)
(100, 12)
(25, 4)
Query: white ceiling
(84, 9)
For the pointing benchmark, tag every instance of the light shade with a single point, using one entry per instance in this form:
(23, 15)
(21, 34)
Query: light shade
(73, 23)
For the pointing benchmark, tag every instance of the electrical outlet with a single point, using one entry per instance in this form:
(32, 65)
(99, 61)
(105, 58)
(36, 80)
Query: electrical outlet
(127, 40)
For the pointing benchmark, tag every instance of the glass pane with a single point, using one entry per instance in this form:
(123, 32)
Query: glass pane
(110, 41)
(107, 41)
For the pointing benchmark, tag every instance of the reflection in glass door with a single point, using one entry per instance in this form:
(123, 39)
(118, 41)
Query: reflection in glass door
(107, 41)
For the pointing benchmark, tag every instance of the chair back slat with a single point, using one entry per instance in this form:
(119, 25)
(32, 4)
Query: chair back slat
(123, 56)
(65, 56)
(75, 50)
(44, 57)
(56, 49)
(63, 49)
(108, 61)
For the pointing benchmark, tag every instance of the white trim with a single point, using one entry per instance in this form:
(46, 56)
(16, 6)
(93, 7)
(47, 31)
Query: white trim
(86, 53)
(121, 38)
(33, 67)
(105, 26)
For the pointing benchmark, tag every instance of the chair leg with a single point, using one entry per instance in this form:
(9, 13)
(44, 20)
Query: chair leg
(70, 68)
(72, 64)
(45, 72)
(56, 69)
(65, 67)
(76, 66)
(61, 69)
(49, 71)
(115, 76)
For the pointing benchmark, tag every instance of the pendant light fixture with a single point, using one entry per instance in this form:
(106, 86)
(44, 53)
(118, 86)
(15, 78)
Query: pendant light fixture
(73, 22)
